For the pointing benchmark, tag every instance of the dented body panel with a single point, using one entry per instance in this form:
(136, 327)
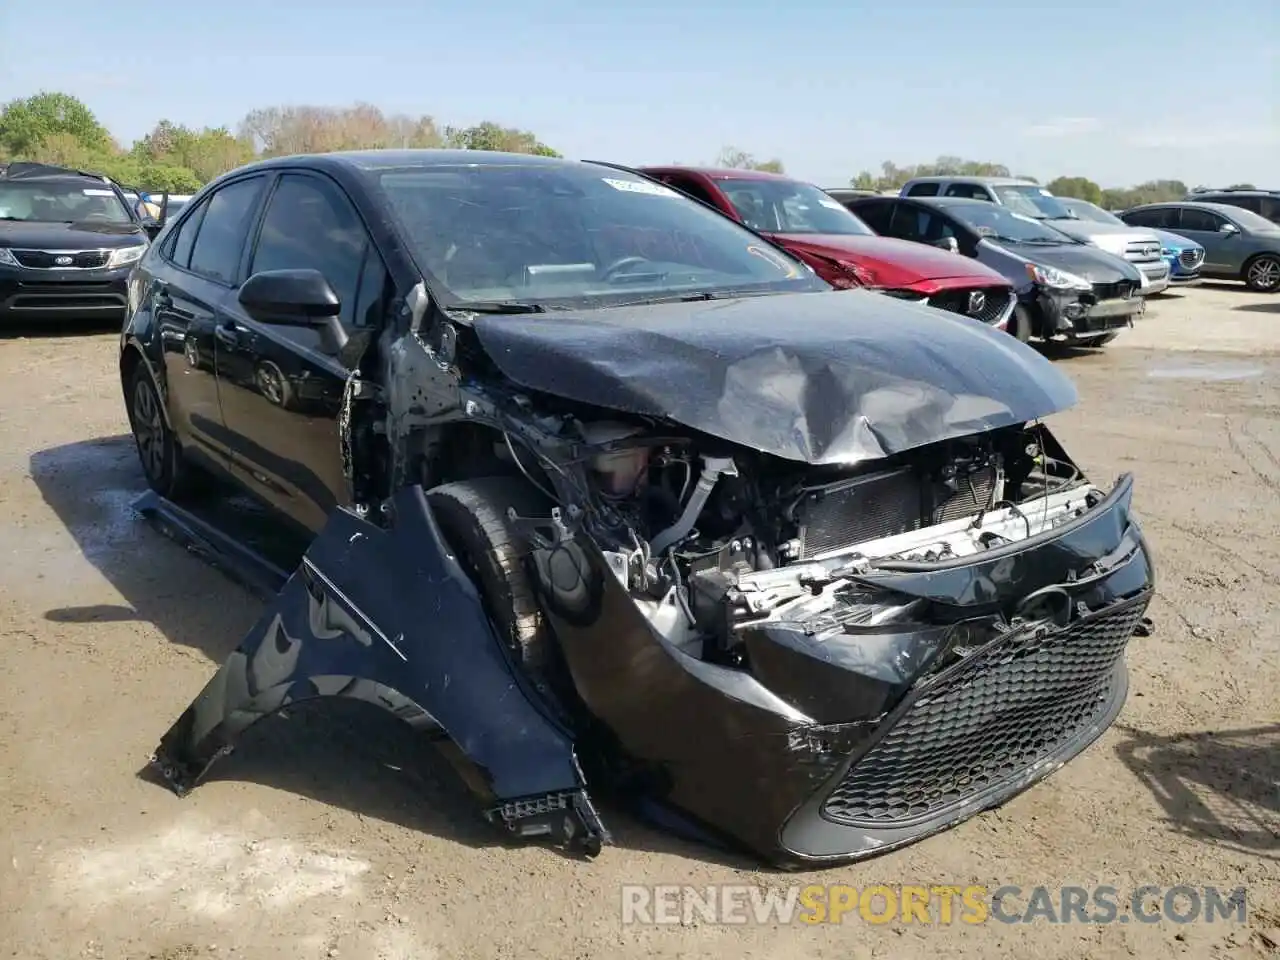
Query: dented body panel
(803, 568)
(824, 378)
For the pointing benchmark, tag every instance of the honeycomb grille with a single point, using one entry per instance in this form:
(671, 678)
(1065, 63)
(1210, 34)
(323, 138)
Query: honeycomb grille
(986, 720)
(1191, 258)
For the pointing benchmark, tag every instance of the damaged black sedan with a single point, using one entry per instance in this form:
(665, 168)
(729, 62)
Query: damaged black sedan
(609, 495)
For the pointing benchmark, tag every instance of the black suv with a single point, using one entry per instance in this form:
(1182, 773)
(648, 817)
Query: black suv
(68, 240)
(1266, 203)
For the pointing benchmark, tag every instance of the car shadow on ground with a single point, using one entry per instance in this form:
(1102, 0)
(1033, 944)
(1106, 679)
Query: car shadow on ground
(1271, 307)
(53, 329)
(1222, 787)
(344, 754)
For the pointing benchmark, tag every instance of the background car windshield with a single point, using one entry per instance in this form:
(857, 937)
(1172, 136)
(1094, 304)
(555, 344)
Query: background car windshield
(52, 202)
(542, 233)
(785, 206)
(1032, 201)
(1092, 212)
(989, 220)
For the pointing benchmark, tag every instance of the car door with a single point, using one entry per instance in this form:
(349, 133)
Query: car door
(1223, 252)
(282, 396)
(199, 257)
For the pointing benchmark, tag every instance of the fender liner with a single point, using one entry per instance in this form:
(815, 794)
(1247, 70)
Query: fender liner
(386, 615)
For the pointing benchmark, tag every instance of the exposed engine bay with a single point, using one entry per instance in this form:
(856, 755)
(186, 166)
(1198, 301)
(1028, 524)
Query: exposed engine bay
(709, 538)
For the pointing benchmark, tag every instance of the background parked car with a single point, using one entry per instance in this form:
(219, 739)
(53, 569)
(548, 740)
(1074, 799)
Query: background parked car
(1139, 247)
(843, 250)
(1067, 289)
(1265, 203)
(67, 243)
(1184, 256)
(1238, 244)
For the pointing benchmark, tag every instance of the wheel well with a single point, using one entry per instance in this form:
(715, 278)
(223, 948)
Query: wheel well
(467, 451)
(129, 361)
(1244, 267)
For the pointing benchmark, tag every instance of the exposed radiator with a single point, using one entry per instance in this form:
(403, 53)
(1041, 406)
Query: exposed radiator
(848, 512)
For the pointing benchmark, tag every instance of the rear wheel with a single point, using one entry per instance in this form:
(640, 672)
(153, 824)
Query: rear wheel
(472, 516)
(1263, 273)
(167, 472)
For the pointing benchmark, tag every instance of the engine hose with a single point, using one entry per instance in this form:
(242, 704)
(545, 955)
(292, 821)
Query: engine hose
(712, 468)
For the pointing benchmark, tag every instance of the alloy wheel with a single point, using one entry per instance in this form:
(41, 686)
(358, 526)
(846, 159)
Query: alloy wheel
(1264, 273)
(148, 429)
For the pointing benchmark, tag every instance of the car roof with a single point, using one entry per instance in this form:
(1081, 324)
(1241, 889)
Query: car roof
(1226, 209)
(719, 173)
(1235, 192)
(24, 170)
(994, 181)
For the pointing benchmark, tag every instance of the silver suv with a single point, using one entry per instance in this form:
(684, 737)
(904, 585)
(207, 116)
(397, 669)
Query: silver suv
(1140, 247)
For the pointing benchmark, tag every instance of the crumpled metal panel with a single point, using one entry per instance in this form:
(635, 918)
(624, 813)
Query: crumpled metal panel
(833, 377)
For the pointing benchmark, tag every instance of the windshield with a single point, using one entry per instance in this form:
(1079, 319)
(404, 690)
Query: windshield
(786, 206)
(1092, 212)
(53, 201)
(1001, 223)
(1248, 220)
(576, 235)
(1032, 201)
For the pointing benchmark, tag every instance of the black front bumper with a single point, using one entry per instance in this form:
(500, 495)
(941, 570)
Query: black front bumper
(36, 295)
(835, 741)
(1078, 315)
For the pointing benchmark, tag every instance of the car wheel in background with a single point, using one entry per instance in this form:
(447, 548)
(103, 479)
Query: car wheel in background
(1263, 273)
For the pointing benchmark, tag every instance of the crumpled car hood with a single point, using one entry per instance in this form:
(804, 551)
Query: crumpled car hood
(835, 377)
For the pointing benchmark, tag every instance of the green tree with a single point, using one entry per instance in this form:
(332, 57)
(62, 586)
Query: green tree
(1082, 188)
(731, 158)
(26, 123)
(206, 153)
(894, 177)
(492, 136)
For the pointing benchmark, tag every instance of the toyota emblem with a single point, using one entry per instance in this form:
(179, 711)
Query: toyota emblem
(977, 300)
(63, 261)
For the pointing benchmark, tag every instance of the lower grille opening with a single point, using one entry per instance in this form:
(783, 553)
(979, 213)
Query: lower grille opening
(986, 720)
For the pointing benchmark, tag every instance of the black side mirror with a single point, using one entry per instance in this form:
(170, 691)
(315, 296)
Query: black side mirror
(296, 298)
(152, 227)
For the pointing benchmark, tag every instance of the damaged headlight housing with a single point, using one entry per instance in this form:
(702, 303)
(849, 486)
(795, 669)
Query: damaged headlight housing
(1057, 279)
(126, 255)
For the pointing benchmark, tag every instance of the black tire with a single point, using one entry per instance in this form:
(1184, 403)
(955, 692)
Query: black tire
(1021, 323)
(1262, 274)
(472, 516)
(167, 472)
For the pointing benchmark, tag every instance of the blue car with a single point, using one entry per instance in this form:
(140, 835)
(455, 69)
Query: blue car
(1184, 256)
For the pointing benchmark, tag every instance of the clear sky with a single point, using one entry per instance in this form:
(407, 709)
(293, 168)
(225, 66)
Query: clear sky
(1118, 91)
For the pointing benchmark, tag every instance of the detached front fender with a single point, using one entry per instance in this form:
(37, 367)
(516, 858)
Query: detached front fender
(386, 615)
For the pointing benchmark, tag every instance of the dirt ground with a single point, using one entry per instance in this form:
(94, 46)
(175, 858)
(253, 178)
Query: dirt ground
(319, 839)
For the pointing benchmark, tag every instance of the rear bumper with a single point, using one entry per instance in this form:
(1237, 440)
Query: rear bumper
(36, 295)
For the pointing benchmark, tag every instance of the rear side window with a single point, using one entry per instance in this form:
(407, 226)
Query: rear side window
(1193, 219)
(223, 229)
(693, 188)
(184, 238)
(1160, 218)
(923, 190)
(970, 191)
(875, 215)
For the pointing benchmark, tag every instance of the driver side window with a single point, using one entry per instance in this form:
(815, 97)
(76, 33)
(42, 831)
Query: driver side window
(310, 225)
